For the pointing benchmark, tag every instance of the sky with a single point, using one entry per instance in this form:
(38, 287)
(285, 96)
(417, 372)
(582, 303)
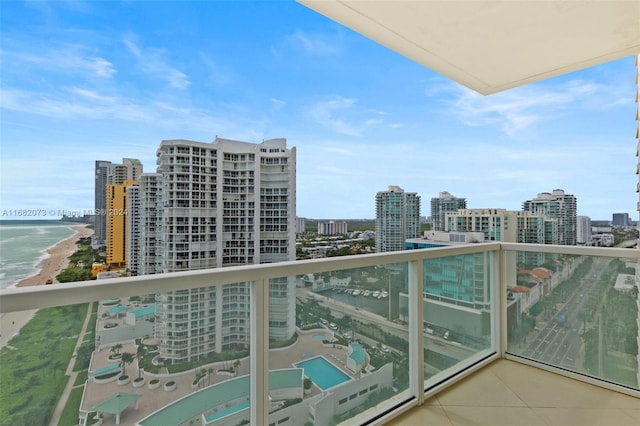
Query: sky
(103, 80)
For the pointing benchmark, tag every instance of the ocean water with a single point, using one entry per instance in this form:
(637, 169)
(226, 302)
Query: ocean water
(24, 245)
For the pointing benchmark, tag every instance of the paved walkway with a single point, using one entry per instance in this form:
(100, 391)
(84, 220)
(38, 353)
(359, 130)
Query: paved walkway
(72, 374)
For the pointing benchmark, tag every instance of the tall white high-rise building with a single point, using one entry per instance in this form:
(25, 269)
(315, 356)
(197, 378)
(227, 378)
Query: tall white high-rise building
(224, 203)
(150, 223)
(397, 218)
(560, 206)
(133, 228)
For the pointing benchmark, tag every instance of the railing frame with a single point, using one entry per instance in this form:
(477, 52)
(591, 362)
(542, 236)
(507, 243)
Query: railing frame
(37, 297)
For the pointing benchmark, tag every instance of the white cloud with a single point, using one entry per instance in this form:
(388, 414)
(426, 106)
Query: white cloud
(152, 62)
(69, 58)
(315, 44)
(518, 109)
(340, 115)
(276, 104)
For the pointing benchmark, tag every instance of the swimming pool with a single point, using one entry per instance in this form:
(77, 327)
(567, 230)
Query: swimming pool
(321, 372)
(108, 369)
(319, 336)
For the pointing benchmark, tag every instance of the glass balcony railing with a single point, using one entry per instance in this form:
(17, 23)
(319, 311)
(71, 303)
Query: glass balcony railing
(349, 340)
(574, 312)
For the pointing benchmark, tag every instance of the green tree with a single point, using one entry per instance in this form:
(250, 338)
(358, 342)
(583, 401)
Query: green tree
(127, 358)
(583, 316)
(116, 348)
(140, 354)
(83, 357)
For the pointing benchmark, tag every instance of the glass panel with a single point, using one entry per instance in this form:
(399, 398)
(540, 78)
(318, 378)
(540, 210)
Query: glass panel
(458, 316)
(345, 361)
(203, 336)
(169, 358)
(578, 313)
(37, 349)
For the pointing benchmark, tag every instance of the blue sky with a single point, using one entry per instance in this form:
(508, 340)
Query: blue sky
(85, 81)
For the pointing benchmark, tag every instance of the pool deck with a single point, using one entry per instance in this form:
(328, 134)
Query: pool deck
(152, 400)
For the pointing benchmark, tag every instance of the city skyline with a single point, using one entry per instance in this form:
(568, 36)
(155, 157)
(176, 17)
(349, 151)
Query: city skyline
(105, 86)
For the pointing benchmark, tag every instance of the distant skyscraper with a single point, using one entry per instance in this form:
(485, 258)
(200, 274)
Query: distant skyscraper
(150, 224)
(620, 219)
(129, 170)
(583, 230)
(397, 218)
(560, 206)
(443, 204)
(107, 172)
(133, 228)
(100, 204)
(224, 203)
(332, 228)
(117, 225)
(504, 225)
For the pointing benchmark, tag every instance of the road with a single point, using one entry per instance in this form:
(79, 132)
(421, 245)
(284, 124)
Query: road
(339, 309)
(561, 345)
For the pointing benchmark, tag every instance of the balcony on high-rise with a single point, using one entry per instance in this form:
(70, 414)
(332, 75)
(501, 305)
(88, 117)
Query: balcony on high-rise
(470, 334)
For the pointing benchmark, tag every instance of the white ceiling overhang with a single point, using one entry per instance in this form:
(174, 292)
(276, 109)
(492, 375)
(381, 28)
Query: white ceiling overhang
(490, 46)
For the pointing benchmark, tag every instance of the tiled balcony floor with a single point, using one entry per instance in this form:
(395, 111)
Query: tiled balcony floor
(513, 394)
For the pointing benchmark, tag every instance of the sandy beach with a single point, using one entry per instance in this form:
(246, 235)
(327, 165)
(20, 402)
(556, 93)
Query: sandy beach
(58, 257)
(10, 323)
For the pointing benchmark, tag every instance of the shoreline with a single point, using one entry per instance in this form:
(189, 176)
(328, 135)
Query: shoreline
(58, 258)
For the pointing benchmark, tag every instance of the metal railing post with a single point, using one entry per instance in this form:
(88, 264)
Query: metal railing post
(259, 352)
(501, 302)
(416, 335)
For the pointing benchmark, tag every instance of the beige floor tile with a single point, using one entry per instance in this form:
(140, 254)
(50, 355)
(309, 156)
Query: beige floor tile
(432, 401)
(540, 388)
(430, 415)
(483, 388)
(585, 417)
(513, 394)
(634, 413)
(494, 416)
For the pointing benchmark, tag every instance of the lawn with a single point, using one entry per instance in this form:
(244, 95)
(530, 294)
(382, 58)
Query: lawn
(81, 378)
(34, 371)
(70, 413)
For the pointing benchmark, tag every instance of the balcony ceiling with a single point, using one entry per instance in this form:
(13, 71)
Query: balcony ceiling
(490, 46)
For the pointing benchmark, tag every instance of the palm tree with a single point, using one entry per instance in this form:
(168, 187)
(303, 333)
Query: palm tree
(116, 348)
(127, 358)
(210, 372)
(139, 354)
